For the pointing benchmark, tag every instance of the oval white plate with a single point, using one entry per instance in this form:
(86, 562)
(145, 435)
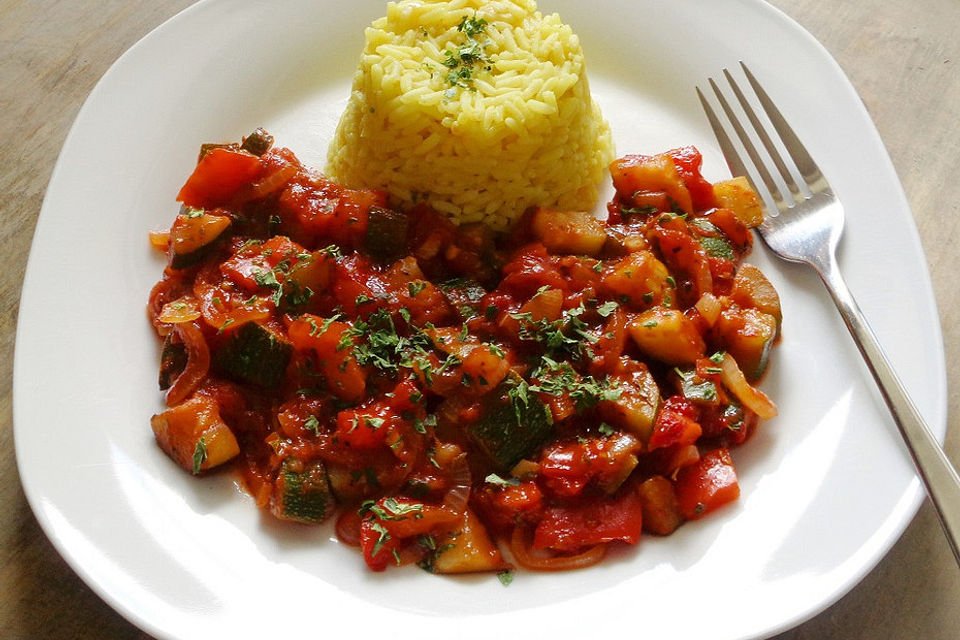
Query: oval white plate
(827, 487)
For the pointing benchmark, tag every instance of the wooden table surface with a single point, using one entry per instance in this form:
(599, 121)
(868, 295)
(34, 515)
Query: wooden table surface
(902, 57)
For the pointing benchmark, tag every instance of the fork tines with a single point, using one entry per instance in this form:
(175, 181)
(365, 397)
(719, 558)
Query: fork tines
(804, 165)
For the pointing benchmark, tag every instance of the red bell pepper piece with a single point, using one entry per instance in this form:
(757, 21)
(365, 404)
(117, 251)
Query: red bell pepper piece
(218, 176)
(676, 423)
(585, 524)
(707, 485)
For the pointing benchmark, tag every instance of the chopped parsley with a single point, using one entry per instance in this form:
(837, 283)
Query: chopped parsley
(333, 251)
(502, 482)
(416, 287)
(519, 395)
(463, 62)
(565, 336)
(382, 538)
(373, 423)
(199, 455)
(391, 509)
(312, 425)
(693, 388)
(375, 342)
(638, 211)
(607, 308)
(556, 379)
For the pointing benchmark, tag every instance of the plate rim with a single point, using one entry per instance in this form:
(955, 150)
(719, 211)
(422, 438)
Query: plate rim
(910, 500)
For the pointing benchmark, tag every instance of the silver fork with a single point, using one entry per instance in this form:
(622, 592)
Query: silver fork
(806, 229)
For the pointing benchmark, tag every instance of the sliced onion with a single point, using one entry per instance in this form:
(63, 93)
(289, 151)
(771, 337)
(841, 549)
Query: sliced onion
(709, 308)
(160, 240)
(458, 494)
(528, 559)
(198, 363)
(751, 397)
(183, 309)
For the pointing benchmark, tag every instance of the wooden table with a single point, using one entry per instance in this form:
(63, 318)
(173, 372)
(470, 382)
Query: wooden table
(903, 59)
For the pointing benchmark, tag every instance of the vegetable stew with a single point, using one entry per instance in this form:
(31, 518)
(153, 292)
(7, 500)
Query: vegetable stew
(454, 398)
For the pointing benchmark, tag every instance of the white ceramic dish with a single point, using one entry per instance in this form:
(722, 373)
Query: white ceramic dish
(827, 487)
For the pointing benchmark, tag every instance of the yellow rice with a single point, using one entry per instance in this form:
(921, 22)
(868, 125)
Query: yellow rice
(525, 132)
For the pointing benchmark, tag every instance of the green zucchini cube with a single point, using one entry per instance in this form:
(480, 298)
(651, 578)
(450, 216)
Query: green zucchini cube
(301, 492)
(510, 427)
(255, 355)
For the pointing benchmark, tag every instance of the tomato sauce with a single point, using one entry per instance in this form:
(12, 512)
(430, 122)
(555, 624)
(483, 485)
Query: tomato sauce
(452, 397)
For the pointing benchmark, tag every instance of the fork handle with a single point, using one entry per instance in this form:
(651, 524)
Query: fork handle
(936, 471)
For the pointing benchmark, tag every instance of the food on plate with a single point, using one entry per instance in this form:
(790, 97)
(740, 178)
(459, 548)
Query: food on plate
(455, 397)
(479, 108)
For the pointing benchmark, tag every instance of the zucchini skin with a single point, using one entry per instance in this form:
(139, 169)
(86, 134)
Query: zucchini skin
(182, 261)
(386, 234)
(255, 355)
(258, 142)
(199, 230)
(302, 492)
(173, 360)
(507, 431)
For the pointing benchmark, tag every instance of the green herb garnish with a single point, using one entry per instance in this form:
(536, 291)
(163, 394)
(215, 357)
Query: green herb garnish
(463, 61)
(199, 455)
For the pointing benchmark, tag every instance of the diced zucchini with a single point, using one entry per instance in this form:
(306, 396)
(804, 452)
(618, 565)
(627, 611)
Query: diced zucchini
(254, 354)
(752, 289)
(173, 359)
(301, 492)
(350, 485)
(193, 434)
(193, 235)
(636, 408)
(661, 512)
(748, 335)
(467, 549)
(738, 196)
(575, 232)
(386, 233)
(667, 335)
(513, 423)
(651, 175)
(620, 458)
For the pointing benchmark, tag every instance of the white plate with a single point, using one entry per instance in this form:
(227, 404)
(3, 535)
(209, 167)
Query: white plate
(827, 487)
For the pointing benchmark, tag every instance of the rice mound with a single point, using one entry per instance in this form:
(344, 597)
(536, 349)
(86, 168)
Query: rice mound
(522, 130)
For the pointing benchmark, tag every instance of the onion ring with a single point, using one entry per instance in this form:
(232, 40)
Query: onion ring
(198, 363)
(527, 559)
(457, 496)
